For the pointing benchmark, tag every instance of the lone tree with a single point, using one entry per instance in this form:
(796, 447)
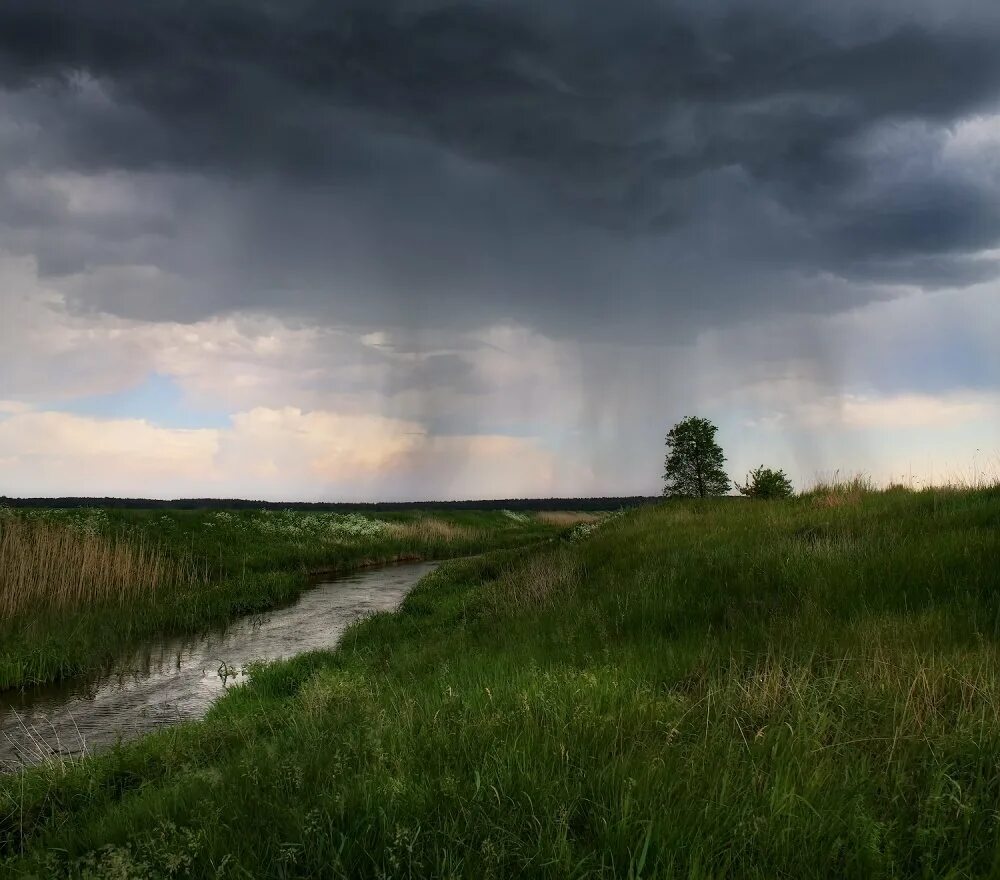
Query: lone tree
(764, 482)
(694, 461)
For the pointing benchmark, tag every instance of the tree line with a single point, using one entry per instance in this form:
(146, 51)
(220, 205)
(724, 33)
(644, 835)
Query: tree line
(518, 504)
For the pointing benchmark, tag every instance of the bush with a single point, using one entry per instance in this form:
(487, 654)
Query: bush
(766, 482)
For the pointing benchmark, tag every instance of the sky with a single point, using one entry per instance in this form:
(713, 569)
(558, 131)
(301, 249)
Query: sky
(408, 249)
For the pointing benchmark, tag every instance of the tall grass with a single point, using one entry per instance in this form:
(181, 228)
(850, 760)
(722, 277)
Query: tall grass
(49, 566)
(536, 581)
(839, 490)
(978, 476)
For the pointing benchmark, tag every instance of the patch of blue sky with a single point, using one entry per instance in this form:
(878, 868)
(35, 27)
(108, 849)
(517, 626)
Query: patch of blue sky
(941, 366)
(158, 399)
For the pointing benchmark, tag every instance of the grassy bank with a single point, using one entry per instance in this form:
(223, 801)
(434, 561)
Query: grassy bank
(78, 587)
(782, 689)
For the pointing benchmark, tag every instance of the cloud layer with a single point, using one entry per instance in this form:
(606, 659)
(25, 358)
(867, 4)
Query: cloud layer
(282, 454)
(569, 166)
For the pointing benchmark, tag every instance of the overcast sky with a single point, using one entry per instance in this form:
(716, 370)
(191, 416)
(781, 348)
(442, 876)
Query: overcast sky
(404, 249)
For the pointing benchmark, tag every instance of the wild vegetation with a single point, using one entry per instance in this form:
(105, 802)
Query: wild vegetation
(79, 586)
(764, 482)
(709, 688)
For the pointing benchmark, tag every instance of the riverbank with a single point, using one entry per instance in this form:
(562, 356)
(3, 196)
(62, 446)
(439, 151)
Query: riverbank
(801, 688)
(74, 612)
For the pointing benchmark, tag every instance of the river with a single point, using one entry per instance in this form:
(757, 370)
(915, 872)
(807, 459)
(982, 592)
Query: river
(176, 679)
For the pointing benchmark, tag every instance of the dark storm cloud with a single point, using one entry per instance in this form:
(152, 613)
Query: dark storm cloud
(532, 161)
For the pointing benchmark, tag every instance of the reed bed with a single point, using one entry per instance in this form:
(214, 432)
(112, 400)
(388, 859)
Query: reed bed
(50, 566)
(566, 518)
(429, 529)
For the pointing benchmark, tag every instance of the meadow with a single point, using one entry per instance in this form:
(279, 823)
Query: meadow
(797, 688)
(78, 587)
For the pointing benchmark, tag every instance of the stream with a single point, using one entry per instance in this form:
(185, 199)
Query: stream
(176, 679)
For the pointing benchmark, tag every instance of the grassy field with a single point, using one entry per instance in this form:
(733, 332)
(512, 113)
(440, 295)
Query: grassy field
(805, 688)
(78, 587)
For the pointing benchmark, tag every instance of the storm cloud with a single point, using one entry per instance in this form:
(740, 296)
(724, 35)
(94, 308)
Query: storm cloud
(568, 165)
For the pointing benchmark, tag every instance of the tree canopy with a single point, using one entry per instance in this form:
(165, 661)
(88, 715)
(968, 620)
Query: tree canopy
(694, 461)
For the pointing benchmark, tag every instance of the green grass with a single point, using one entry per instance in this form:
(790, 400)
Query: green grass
(244, 562)
(805, 688)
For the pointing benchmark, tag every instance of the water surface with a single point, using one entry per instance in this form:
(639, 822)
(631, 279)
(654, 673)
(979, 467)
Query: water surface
(177, 679)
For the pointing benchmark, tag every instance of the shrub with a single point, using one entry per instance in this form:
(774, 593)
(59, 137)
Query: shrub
(764, 482)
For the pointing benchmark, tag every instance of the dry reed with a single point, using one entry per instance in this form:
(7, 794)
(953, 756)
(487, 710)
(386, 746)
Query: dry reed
(47, 566)
(565, 518)
(428, 529)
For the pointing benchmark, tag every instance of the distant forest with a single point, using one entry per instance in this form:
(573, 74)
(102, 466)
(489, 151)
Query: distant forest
(244, 504)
